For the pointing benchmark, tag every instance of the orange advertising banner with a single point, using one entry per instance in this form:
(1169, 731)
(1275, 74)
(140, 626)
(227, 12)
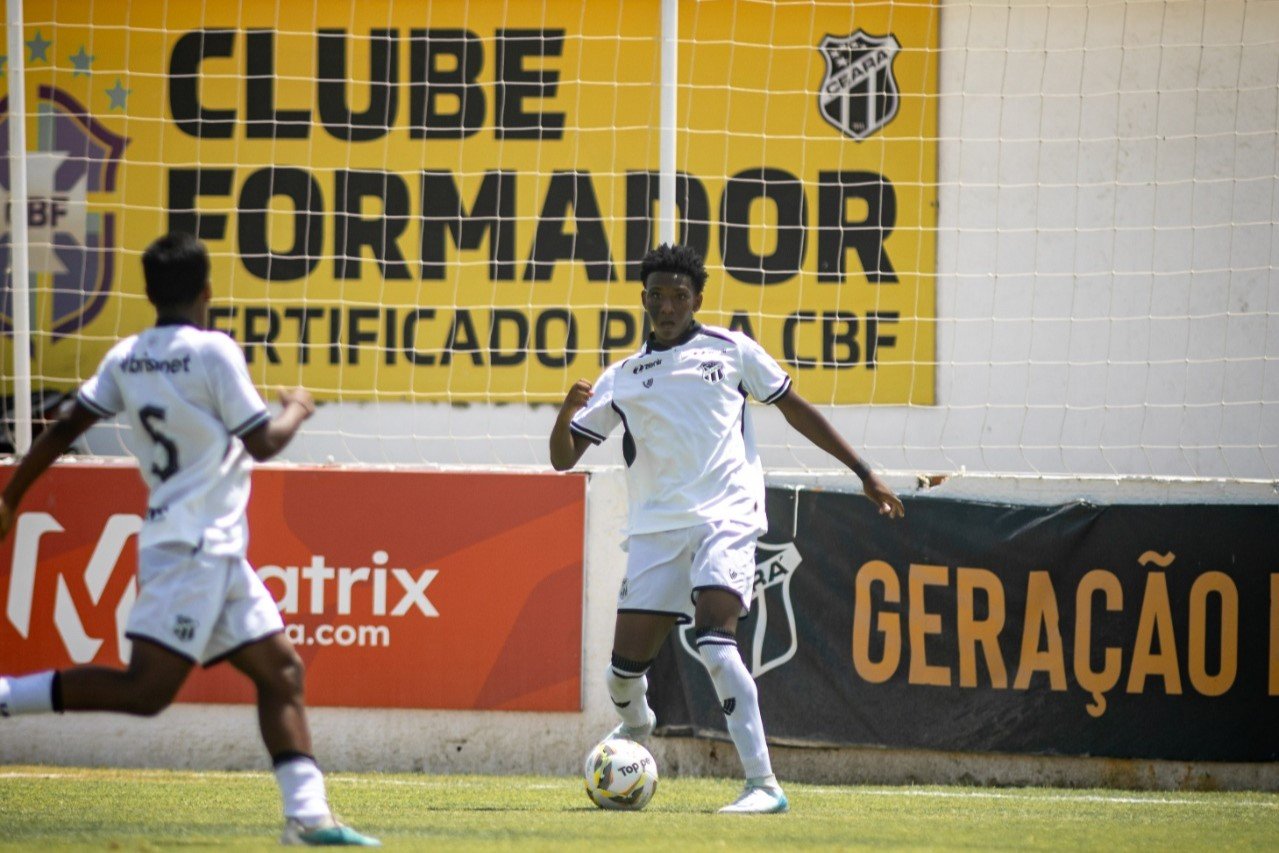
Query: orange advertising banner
(400, 589)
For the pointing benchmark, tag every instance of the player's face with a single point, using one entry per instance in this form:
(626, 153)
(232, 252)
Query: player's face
(671, 302)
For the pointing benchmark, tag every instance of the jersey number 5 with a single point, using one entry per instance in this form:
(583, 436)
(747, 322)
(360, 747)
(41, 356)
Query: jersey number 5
(149, 415)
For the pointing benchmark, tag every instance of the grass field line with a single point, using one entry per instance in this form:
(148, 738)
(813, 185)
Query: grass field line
(1045, 795)
(462, 782)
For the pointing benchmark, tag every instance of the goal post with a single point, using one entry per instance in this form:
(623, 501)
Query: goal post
(1033, 238)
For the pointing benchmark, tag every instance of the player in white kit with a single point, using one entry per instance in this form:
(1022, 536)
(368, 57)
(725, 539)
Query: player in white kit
(186, 393)
(696, 490)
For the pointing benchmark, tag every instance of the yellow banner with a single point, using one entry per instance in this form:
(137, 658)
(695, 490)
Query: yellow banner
(449, 201)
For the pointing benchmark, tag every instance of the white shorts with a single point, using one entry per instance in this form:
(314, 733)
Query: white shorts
(665, 571)
(202, 607)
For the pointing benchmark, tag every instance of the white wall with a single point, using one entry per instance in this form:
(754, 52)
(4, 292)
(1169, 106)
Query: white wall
(1108, 298)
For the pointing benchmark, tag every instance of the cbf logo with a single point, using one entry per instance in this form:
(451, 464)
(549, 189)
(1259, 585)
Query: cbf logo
(770, 625)
(859, 94)
(712, 371)
(71, 246)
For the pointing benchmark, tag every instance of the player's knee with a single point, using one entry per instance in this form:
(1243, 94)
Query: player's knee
(291, 674)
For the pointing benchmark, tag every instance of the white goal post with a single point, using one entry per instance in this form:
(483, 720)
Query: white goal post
(1034, 238)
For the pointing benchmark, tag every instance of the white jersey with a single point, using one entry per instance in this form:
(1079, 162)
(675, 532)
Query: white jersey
(187, 395)
(688, 443)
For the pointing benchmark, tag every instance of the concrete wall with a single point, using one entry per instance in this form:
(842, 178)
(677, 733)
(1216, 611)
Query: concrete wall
(224, 737)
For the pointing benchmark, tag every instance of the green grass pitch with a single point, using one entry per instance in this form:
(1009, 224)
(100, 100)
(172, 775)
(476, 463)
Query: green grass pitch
(53, 808)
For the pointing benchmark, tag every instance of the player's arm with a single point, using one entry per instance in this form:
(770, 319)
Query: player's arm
(811, 424)
(73, 420)
(567, 446)
(274, 435)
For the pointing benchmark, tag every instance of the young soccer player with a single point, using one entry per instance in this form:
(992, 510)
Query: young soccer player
(696, 498)
(186, 393)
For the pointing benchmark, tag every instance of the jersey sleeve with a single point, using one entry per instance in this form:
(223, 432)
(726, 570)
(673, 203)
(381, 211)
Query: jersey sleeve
(101, 394)
(237, 402)
(762, 377)
(597, 418)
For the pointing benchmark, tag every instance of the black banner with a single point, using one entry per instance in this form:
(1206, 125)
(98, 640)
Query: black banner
(1129, 631)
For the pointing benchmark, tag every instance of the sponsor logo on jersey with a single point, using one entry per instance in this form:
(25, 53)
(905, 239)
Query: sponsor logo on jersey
(648, 383)
(859, 94)
(766, 636)
(648, 365)
(72, 245)
(712, 371)
(623, 592)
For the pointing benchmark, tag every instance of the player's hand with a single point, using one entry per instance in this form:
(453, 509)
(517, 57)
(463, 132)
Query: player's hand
(6, 518)
(298, 395)
(883, 497)
(578, 396)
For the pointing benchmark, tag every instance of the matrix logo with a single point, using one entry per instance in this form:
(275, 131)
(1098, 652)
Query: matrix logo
(770, 625)
(80, 645)
(72, 247)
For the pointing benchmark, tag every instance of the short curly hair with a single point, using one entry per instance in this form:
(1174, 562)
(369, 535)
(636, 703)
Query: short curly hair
(176, 269)
(676, 259)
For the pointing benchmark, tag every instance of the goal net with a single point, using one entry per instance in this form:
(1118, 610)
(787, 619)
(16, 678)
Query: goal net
(1015, 238)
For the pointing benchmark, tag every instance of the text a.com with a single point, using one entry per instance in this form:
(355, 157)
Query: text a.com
(373, 636)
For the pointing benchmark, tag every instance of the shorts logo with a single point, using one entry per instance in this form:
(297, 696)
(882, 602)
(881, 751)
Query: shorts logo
(184, 628)
(859, 94)
(730, 705)
(712, 371)
(67, 621)
(72, 247)
(767, 635)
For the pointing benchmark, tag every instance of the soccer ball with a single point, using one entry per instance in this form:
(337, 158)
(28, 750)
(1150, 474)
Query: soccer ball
(620, 774)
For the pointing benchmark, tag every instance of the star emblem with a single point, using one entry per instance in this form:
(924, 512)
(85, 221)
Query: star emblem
(81, 60)
(118, 95)
(39, 48)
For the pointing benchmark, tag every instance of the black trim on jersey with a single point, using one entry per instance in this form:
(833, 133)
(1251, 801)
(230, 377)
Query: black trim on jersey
(629, 450)
(252, 423)
(175, 321)
(217, 660)
(708, 333)
(96, 408)
(592, 437)
(680, 618)
(778, 394)
(134, 635)
(652, 345)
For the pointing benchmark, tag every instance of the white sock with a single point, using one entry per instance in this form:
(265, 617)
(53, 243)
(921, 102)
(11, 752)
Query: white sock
(739, 699)
(302, 789)
(628, 690)
(27, 694)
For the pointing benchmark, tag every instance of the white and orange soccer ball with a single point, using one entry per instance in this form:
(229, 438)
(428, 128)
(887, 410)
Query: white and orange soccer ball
(620, 774)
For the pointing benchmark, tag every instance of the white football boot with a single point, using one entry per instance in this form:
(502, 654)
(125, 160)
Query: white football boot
(639, 734)
(758, 799)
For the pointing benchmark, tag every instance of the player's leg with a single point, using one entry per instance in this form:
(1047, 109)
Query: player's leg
(249, 635)
(637, 637)
(655, 594)
(724, 570)
(145, 688)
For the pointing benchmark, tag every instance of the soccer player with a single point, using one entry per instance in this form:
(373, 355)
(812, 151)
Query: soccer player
(187, 395)
(696, 497)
